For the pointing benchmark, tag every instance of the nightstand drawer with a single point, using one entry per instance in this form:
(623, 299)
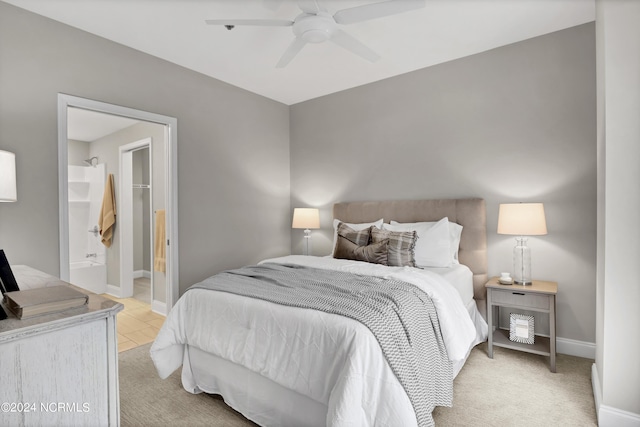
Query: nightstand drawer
(520, 298)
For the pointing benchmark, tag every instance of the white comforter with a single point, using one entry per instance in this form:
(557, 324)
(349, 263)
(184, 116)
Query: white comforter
(329, 358)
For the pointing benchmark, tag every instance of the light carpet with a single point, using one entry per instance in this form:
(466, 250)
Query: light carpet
(512, 389)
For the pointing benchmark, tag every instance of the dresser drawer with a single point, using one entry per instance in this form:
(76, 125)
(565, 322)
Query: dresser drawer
(521, 299)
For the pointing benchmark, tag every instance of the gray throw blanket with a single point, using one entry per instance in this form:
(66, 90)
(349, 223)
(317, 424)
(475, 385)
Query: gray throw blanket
(400, 315)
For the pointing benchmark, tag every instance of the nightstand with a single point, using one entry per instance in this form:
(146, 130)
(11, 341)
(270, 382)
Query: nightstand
(539, 297)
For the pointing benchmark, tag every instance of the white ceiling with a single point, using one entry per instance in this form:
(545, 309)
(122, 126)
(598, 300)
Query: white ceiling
(246, 56)
(88, 126)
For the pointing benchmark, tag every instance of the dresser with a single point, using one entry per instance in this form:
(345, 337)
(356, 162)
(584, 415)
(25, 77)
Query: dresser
(59, 369)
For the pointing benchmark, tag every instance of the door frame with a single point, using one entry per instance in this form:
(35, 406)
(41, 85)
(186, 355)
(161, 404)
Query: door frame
(125, 207)
(171, 184)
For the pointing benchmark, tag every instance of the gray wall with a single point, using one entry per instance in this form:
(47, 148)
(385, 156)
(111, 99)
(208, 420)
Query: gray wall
(512, 124)
(233, 146)
(78, 152)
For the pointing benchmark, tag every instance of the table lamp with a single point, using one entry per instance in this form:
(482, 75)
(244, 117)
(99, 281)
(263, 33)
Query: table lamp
(306, 218)
(522, 219)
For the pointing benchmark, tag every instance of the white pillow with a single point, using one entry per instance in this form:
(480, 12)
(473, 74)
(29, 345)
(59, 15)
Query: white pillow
(433, 247)
(455, 232)
(356, 227)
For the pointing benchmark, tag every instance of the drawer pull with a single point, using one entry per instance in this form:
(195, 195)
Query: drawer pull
(517, 293)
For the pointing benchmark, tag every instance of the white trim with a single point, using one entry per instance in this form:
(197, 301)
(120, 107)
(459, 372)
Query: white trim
(63, 189)
(137, 274)
(607, 415)
(114, 291)
(159, 307)
(595, 385)
(576, 348)
(171, 215)
(152, 220)
(125, 214)
(612, 417)
(171, 177)
(124, 194)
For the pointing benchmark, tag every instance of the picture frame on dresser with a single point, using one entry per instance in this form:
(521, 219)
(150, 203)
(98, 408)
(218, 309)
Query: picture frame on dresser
(7, 279)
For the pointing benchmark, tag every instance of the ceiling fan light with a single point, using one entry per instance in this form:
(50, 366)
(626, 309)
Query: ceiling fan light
(314, 28)
(316, 35)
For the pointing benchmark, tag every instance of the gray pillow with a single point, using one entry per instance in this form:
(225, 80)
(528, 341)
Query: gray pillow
(375, 253)
(359, 237)
(400, 250)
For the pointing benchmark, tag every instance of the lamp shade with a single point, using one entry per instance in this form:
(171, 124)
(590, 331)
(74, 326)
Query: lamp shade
(8, 192)
(306, 218)
(522, 219)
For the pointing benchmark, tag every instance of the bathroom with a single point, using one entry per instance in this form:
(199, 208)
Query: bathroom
(87, 255)
(132, 151)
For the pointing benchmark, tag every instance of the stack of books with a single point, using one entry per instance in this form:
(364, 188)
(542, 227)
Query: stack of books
(38, 301)
(35, 302)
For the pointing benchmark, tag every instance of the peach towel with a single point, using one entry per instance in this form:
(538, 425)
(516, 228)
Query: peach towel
(107, 218)
(159, 261)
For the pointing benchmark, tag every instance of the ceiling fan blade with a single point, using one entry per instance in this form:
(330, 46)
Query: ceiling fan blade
(353, 45)
(311, 6)
(256, 22)
(291, 52)
(376, 10)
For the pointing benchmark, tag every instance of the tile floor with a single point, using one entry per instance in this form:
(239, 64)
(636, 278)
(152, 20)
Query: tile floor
(137, 324)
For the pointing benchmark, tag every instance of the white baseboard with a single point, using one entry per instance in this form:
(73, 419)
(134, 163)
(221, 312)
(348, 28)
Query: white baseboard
(576, 348)
(612, 417)
(159, 307)
(114, 291)
(142, 273)
(607, 415)
(595, 385)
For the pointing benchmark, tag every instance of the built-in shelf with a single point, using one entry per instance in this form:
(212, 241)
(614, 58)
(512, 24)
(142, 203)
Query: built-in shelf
(146, 186)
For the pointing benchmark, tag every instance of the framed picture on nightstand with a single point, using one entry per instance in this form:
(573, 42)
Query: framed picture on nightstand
(521, 328)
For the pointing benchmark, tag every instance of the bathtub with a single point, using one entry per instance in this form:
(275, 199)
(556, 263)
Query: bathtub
(89, 275)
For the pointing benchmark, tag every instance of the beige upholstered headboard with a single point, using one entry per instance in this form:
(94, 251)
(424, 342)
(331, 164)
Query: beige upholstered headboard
(470, 213)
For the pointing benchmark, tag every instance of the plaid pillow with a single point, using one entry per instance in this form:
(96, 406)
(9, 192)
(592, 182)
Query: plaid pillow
(360, 238)
(375, 253)
(400, 251)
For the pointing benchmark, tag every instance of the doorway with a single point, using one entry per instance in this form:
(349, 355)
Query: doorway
(161, 168)
(137, 228)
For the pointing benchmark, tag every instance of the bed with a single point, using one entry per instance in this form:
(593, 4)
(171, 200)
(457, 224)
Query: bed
(285, 365)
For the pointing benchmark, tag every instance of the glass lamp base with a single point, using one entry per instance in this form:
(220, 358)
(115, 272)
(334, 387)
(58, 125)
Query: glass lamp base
(522, 262)
(307, 241)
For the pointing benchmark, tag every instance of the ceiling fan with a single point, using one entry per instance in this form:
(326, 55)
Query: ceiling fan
(316, 25)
